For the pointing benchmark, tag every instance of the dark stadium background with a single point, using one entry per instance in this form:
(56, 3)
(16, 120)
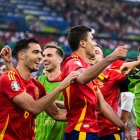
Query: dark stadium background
(116, 22)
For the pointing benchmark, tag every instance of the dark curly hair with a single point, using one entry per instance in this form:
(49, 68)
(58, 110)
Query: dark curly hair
(22, 45)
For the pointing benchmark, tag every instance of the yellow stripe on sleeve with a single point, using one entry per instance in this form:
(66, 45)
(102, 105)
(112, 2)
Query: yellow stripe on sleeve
(68, 95)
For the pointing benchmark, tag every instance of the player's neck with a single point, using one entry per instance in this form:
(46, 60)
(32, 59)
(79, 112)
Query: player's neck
(53, 74)
(24, 72)
(82, 54)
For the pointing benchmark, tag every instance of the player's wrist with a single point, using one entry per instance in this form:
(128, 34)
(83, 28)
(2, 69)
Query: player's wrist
(59, 89)
(8, 61)
(138, 63)
(124, 127)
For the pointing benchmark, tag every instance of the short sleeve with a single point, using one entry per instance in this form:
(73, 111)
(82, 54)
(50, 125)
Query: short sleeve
(115, 66)
(127, 99)
(10, 88)
(70, 66)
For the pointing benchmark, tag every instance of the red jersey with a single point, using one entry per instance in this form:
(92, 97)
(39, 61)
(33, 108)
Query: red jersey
(16, 123)
(80, 100)
(109, 84)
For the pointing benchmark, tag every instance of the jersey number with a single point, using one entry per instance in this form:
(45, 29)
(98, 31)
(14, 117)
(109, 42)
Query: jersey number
(26, 114)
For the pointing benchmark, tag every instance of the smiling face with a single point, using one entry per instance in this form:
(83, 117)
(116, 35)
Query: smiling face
(32, 57)
(98, 56)
(51, 59)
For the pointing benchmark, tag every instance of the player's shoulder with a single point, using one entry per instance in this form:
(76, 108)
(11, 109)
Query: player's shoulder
(116, 64)
(73, 59)
(9, 75)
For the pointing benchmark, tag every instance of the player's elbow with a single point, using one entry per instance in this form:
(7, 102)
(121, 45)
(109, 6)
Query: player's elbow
(82, 81)
(34, 110)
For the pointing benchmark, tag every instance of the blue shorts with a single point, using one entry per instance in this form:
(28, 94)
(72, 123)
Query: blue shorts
(76, 135)
(116, 136)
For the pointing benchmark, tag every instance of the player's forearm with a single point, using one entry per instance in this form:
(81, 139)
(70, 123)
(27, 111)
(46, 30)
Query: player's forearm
(92, 72)
(136, 63)
(42, 103)
(108, 112)
(56, 113)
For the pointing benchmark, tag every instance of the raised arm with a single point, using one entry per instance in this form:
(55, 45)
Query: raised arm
(128, 67)
(6, 54)
(93, 71)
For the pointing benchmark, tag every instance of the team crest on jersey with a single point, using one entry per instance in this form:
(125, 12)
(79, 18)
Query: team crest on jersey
(15, 86)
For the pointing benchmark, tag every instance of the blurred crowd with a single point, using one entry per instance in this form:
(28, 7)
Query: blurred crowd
(110, 18)
(106, 16)
(8, 38)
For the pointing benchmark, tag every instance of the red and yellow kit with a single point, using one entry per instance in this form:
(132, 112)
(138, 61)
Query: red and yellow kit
(109, 84)
(16, 123)
(80, 100)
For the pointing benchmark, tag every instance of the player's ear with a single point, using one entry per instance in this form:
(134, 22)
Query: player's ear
(60, 60)
(82, 43)
(21, 55)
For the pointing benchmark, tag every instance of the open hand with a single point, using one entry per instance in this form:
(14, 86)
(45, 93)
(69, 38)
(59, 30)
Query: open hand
(128, 67)
(69, 79)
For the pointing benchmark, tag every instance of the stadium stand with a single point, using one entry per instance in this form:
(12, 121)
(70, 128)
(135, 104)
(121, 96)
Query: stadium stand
(114, 22)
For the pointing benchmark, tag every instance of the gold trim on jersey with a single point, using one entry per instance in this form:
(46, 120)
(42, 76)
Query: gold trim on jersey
(11, 75)
(82, 116)
(4, 129)
(75, 57)
(68, 95)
